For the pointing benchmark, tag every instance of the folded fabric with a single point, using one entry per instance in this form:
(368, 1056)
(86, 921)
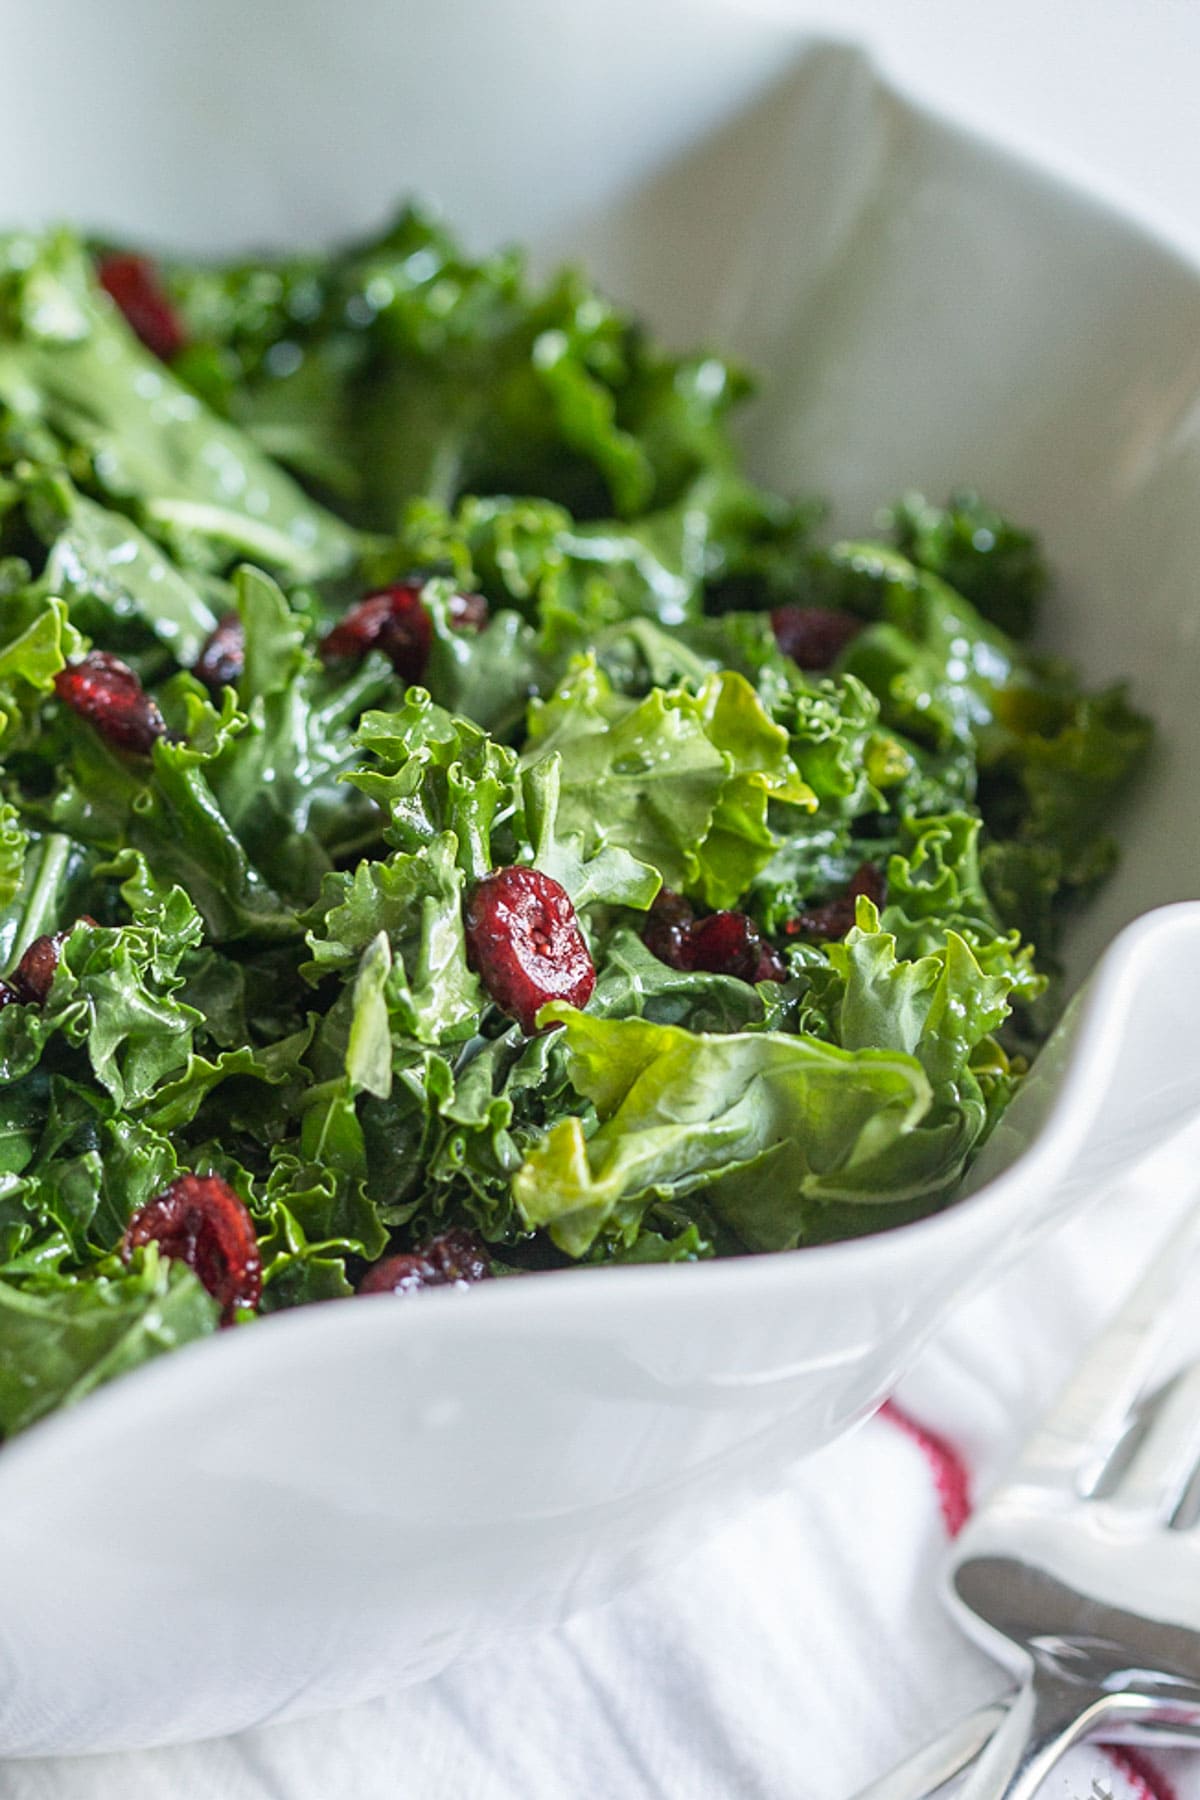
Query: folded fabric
(794, 1657)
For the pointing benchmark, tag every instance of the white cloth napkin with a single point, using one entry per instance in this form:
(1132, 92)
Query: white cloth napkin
(794, 1657)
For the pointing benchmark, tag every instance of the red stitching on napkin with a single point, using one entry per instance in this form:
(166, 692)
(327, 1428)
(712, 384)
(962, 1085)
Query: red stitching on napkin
(950, 1476)
(952, 1481)
(1146, 1781)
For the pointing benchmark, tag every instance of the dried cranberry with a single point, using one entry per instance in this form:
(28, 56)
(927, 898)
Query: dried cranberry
(454, 1258)
(221, 661)
(133, 282)
(468, 612)
(106, 692)
(667, 926)
(771, 966)
(870, 881)
(395, 621)
(30, 980)
(726, 943)
(813, 636)
(835, 918)
(524, 939)
(202, 1222)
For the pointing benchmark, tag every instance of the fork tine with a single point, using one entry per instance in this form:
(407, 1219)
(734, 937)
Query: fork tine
(1085, 1424)
(1164, 1464)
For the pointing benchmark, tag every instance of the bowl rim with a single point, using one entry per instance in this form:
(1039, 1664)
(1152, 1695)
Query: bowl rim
(444, 1319)
(1107, 998)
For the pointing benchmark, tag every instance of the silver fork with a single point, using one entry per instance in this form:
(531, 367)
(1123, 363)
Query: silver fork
(1081, 1572)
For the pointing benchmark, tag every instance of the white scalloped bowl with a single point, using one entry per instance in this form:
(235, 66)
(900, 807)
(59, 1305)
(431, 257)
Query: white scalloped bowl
(307, 1512)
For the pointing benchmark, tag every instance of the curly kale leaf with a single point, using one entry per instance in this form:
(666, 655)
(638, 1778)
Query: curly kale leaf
(993, 563)
(681, 780)
(70, 365)
(402, 367)
(770, 1128)
(533, 555)
(62, 1337)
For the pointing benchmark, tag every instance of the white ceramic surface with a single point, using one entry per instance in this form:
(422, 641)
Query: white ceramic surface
(307, 1512)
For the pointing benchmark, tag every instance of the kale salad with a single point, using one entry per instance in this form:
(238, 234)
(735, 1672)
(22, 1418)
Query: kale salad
(455, 825)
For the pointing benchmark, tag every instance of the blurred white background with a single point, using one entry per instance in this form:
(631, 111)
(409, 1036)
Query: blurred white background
(215, 122)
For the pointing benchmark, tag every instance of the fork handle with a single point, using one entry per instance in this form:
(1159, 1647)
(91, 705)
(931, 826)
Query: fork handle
(1050, 1716)
(925, 1772)
(1044, 1721)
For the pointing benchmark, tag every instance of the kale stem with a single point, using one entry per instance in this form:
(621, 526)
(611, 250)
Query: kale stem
(324, 1090)
(40, 913)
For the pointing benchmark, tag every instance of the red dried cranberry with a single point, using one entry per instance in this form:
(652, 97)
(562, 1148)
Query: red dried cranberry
(30, 980)
(667, 926)
(870, 881)
(835, 918)
(106, 692)
(202, 1222)
(813, 636)
(407, 635)
(468, 612)
(395, 621)
(771, 966)
(133, 282)
(726, 943)
(373, 623)
(454, 1258)
(524, 940)
(221, 661)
